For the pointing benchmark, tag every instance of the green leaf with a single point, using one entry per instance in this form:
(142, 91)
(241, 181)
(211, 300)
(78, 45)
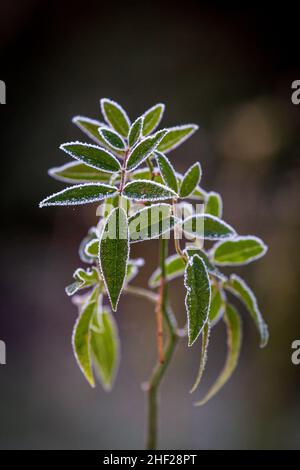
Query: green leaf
(167, 171)
(81, 337)
(89, 127)
(175, 267)
(89, 276)
(191, 251)
(114, 254)
(79, 194)
(135, 131)
(144, 190)
(75, 172)
(152, 118)
(145, 174)
(176, 136)
(239, 251)
(217, 305)
(105, 348)
(207, 227)
(198, 295)
(234, 338)
(115, 116)
(112, 139)
(190, 180)
(203, 359)
(240, 289)
(150, 222)
(92, 155)
(92, 248)
(142, 150)
(92, 235)
(214, 204)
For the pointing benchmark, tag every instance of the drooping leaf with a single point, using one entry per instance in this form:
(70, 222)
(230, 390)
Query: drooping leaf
(190, 180)
(152, 118)
(176, 136)
(239, 251)
(92, 155)
(237, 286)
(105, 348)
(167, 171)
(198, 296)
(81, 337)
(144, 190)
(112, 138)
(76, 172)
(234, 338)
(115, 115)
(135, 131)
(203, 359)
(207, 227)
(214, 204)
(217, 305)
(150, 222)
(89, 127)
(142, 150)
(114, 254)
(79, 194)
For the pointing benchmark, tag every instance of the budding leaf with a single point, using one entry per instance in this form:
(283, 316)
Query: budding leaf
(207, 227)
(92, 235)
(234, 338)
(75, 172)
(152, 118)
(105, 348)
(92, 248)
(142, 150)
(114, 253)
(239, 251)
(74, 287)
(214, 204)
(115, 115)
(135, 131)
(112, 139)
(176, 136)
(190, 180)
(89, 127)
(167, 171)
(92, 155)
(79, 194)
(150, 222)
(81, 337)
(198, 295)
(203, 359)
(144, 190)
(240, 289)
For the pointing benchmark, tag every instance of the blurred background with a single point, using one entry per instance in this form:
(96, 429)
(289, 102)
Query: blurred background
(228, 70)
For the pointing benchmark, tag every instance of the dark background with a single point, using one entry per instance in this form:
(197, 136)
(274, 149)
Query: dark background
(230, 71)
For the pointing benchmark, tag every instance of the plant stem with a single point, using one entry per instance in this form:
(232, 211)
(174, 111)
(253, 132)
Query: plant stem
(160, 368)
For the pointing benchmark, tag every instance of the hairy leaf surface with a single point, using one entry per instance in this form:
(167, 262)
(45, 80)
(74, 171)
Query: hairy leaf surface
(239, 251)
(92, 155)
(80, 194)
(115, 115)
(152, 118)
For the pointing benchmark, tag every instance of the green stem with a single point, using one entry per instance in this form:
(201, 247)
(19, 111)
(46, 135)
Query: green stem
(161, 367)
